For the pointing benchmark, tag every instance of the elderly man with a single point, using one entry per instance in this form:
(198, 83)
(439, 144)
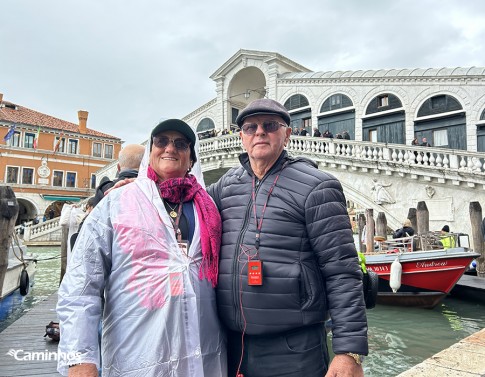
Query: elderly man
(129, 161)
(288, 259)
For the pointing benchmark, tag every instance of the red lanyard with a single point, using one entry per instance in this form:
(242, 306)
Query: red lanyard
(259, 224)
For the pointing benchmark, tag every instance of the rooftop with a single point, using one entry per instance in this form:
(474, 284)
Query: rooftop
(14, 113)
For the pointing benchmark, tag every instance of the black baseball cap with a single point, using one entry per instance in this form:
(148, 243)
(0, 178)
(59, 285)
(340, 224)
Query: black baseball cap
(179, 126)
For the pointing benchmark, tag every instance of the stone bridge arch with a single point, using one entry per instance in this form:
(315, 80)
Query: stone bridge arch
(28, 210)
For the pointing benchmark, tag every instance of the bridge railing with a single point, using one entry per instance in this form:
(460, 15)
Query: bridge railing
(404, 155)
(32, 232)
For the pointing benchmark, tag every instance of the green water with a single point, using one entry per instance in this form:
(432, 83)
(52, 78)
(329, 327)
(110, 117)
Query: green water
(46, 282)
(399, 338)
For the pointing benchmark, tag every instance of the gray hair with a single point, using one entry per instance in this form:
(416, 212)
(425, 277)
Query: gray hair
(130, 156)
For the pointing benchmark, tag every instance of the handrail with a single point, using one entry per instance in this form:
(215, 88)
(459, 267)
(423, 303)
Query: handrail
(425, 161)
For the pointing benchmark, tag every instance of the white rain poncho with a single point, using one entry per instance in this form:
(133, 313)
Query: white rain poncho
(158, 317)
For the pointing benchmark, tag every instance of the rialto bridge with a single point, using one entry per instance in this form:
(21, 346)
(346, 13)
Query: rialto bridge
(389, 178)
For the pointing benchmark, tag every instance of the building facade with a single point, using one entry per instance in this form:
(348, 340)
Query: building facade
(444, 105)
(48, 161)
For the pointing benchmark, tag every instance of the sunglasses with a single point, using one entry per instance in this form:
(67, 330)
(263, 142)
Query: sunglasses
(268, 127)
(163, 142)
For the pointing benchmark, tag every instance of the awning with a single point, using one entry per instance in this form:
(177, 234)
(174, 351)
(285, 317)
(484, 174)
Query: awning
(62, 198)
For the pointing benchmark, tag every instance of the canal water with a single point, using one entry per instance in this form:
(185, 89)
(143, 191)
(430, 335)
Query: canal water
(398, 337)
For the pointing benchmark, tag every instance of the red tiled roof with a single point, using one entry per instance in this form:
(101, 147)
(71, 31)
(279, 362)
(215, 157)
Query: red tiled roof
(23, 115)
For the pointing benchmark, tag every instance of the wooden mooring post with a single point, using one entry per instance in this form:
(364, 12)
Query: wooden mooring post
(412, 218)
(361, 229)
(477, 236)
(9, 209)
(381, 225)
(422, 218)
(370, 229)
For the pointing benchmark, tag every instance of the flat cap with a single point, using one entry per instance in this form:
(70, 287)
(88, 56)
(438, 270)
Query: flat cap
(263, 106)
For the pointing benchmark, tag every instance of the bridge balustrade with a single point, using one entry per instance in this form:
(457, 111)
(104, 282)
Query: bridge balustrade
(398, 155)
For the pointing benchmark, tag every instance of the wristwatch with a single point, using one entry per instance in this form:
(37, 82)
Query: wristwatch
(359, 359)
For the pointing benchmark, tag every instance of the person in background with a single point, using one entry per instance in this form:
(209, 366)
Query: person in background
(425, 143)
(51, 214)
(316, 132)
(415, 141)
(287, 248)
(150, 252)
(129, 161)
(328, 134)
(296, 132)
(303, 132)
(90, 204)
(447, 240)
(71, 216)
(406, 230)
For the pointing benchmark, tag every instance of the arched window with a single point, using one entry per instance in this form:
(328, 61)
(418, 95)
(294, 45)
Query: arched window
(335, 102)
(296, 101)
(482, 117)
(442, 103)
(383, 102)
(205, 124)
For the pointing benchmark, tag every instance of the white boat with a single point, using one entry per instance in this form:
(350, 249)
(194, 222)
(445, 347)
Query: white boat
(20, 271)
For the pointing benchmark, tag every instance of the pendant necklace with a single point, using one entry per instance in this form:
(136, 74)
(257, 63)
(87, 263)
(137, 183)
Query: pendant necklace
(173, 213)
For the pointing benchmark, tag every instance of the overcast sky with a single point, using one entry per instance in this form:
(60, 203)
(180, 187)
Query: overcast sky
(131, 63)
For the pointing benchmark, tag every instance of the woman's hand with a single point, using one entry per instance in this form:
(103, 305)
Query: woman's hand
(119, 184)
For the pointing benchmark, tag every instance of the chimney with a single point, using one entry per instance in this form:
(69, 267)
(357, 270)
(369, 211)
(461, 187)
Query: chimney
(83, 119)
(1, 97)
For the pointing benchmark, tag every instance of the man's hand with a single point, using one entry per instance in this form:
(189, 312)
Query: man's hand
(83, 370)
(119, 184)
(344, 366)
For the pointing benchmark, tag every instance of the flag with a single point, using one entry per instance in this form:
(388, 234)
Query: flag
(58, 142)
(36, 140)
(10, 133)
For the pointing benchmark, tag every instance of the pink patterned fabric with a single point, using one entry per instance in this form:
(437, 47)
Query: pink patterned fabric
(180, 190)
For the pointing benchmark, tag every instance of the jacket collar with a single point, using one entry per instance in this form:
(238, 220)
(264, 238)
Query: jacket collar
(244, 160)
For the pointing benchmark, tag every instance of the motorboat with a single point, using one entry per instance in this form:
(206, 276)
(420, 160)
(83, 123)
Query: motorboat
(20, 271)
(421, 270)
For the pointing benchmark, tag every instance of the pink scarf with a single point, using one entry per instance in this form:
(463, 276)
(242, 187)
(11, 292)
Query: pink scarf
(180, 190)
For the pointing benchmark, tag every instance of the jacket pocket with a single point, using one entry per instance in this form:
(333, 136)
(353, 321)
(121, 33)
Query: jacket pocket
(306, 293)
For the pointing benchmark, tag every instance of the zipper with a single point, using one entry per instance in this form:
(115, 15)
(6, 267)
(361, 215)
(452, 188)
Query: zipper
(236, 266)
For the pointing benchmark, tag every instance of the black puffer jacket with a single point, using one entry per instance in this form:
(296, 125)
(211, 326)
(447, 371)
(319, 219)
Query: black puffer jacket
(310, 265)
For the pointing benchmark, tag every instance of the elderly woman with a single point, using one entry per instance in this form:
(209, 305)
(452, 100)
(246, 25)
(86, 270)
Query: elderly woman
(145, 263)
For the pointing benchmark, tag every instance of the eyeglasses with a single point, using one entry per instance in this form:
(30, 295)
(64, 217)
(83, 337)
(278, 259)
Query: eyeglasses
(268, 127)
(163, 142)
